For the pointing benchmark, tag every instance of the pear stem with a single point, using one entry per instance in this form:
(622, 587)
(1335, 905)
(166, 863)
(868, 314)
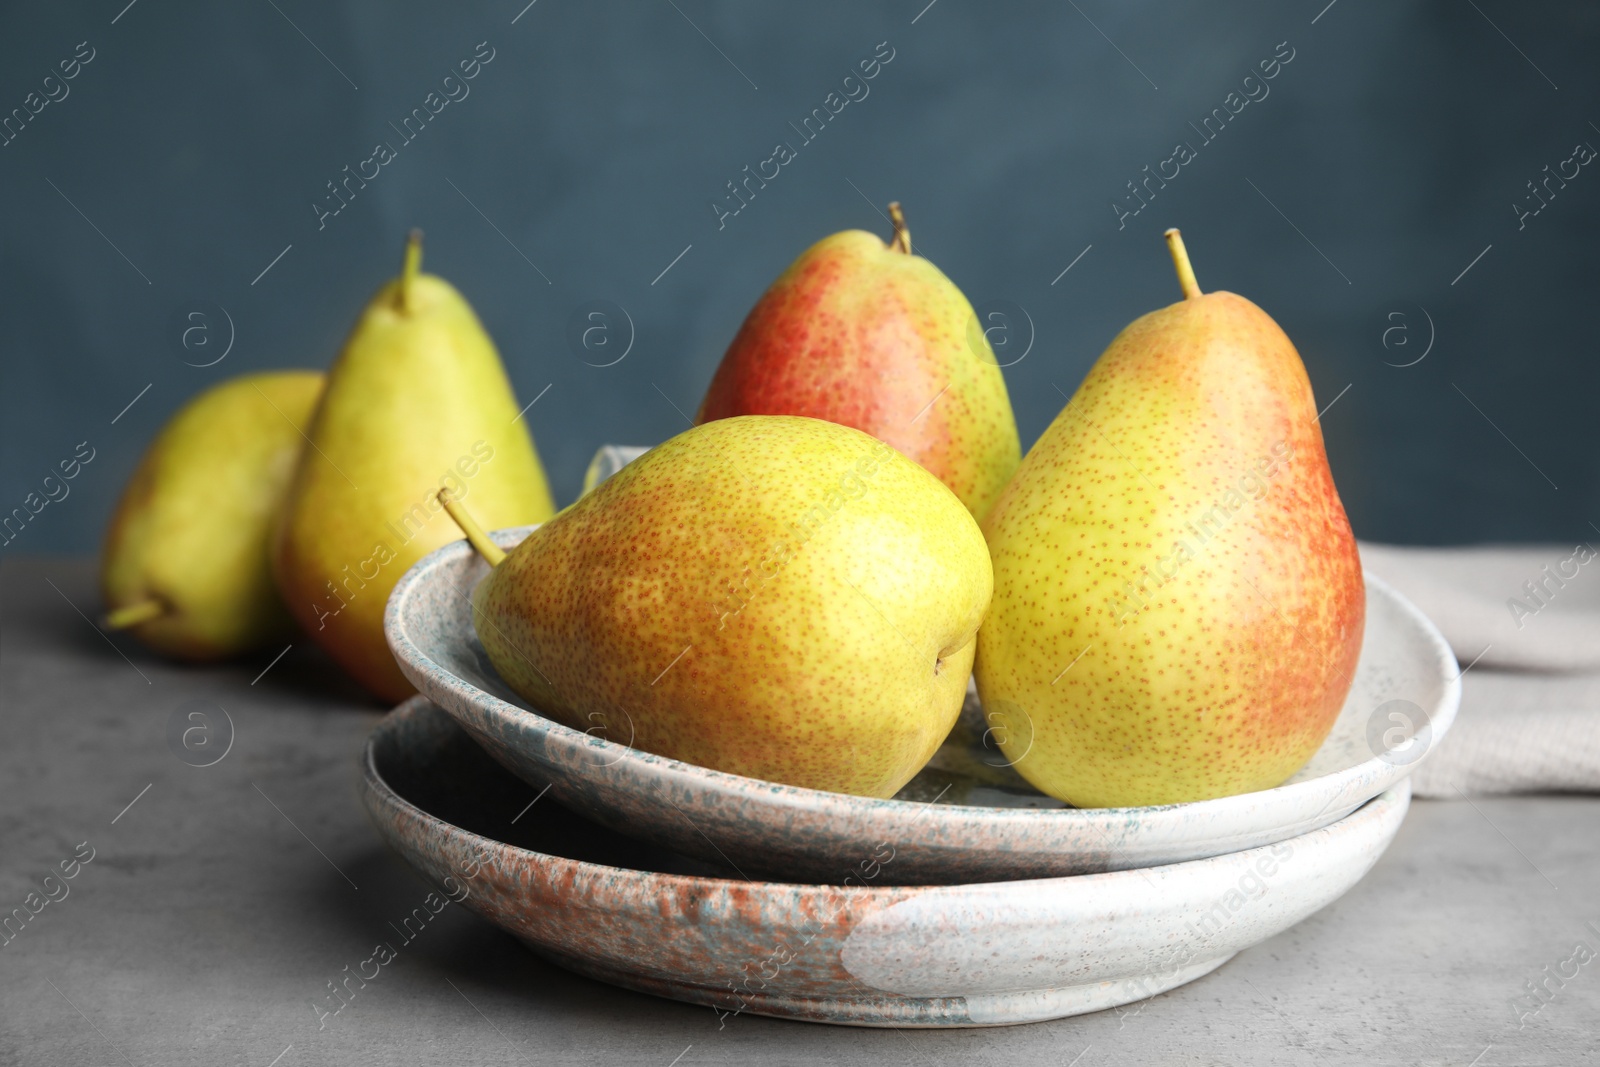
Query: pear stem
(901, 241)
(132, 615)
(479, 540)
(411, 268)
(1180, 259)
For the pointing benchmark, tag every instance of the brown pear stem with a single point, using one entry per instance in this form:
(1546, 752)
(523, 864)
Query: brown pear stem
(132, 615)
(479, 540)
(901, 241)
(1180, 259)
(411, 268)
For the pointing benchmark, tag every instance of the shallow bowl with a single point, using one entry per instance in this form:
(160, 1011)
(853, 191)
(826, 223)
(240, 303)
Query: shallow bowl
(636, 915)
(967, 816)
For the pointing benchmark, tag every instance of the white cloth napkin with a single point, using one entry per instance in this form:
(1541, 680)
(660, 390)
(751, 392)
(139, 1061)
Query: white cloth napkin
(1525, 623)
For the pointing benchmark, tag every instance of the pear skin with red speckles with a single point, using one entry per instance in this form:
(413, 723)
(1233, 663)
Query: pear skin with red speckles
(1178, 603)
(774, 596)
(871, 336)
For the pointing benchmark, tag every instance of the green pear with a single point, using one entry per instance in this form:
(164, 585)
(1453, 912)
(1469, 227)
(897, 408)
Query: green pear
(1178, 601)
(185, 566)
(866, 334)
(416, 401)
(775, 596)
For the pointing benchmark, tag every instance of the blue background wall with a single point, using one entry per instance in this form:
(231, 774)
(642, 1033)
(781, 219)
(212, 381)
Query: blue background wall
(1387, 156)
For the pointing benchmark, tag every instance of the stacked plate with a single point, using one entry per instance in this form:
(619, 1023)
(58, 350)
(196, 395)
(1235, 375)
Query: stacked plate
(968, 899)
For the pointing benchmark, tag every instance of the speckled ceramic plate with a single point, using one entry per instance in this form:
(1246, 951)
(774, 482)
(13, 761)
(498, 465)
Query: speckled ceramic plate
(636, 915)
(968, 816)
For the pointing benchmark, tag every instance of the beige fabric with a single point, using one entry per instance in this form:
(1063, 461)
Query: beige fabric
(1525, 621)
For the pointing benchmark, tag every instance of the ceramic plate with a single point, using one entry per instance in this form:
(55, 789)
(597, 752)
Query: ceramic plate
(968, 816)
(636, 915)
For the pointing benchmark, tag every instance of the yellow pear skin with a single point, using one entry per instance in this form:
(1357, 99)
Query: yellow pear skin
(1178, 601)
(417, 400)
(775, 596)
(185, 565)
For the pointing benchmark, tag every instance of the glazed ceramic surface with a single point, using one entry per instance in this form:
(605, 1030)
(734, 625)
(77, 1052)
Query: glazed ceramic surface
(967, 816)
(636, 915)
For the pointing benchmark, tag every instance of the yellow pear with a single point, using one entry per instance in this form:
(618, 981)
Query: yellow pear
(1178, 601)
(417, 400)
(185, 565)
(775, 596)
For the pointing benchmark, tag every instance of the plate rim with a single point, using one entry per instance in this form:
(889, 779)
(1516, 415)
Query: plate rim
(374, 785)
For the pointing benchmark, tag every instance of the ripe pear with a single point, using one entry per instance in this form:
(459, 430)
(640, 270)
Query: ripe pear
(775, 596)
(869, 335)
(185, 566)
(1178, 601)
(416, 400)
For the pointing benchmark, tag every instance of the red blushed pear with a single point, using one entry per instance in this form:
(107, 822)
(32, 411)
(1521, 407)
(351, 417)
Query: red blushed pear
(1178, 603)
(868, 335)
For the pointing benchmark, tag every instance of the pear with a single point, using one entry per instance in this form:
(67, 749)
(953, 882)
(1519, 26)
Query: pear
(416, 400)
(774, 596)
(1178, 600)
(185, 566)
(869, 335)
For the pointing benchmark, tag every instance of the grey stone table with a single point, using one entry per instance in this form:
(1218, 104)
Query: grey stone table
(219, 902)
